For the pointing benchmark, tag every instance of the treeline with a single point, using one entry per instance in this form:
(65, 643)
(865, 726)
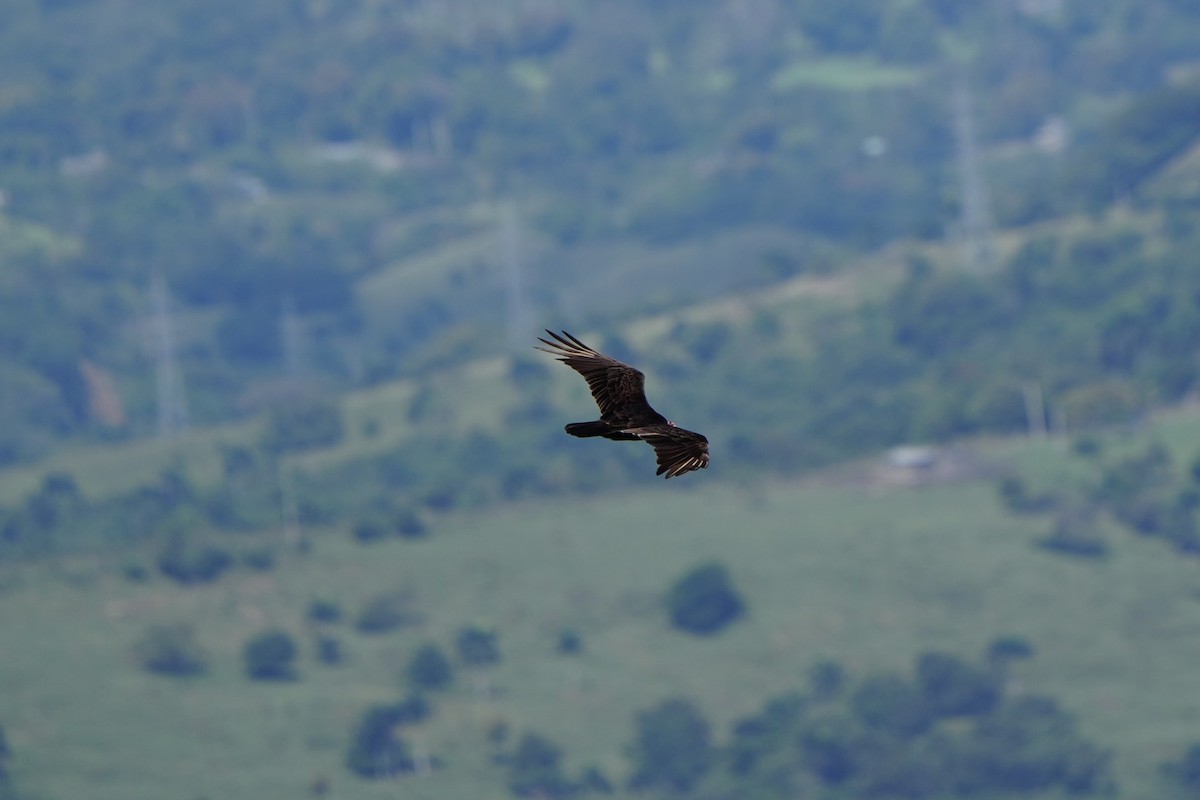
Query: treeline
(952, 728)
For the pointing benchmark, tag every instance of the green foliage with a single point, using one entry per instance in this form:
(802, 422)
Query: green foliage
(188, 562)
(672, 748)
(329, 650)
(477, 647)
(1073, 533)
(387, 612)
(948, 733)
(324, 610)
(535, 769)
(954, 688)
(429, 669)
(303, 424)
(1185, 772)
(270, 656)
(569, 643)
(704, 601)
(170, 650)
(376, 750)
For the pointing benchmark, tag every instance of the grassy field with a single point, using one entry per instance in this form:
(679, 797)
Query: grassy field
(870, 575)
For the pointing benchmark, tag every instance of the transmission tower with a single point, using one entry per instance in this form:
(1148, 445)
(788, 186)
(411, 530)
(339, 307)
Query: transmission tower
(976, 219)
(172, 399)
(291, 331)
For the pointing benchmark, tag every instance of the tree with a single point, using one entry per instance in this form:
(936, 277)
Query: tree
(269, 656)
(477, 649)
(188, 562)
(672, 747)
(376, 751)
(891, 704)
(429, 669)
(704, 601)
(1186, 771)
(952, 687)
(535, 769)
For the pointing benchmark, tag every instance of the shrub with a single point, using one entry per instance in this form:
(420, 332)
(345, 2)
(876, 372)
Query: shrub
(189, 563)
(376, 751)
(477, 647)
(429, 669)
(170, 650)
(369, 530)
(952, 687)
(1008, 648)
(322, 610)
(269, 656)
(535, 769)
(672, 748)
(386, 612)
(891, 704)
(329, 650)
(1186, 771)
(1073, 535)
(570, 643)
(410, 525)
(704, 601)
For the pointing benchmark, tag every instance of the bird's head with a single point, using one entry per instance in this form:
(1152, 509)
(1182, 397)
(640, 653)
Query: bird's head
(670, 424)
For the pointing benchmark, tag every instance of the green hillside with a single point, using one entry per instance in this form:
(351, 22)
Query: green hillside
(848, 566)
(286, 508)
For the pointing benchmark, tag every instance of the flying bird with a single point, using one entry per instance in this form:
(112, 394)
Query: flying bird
(619, 390)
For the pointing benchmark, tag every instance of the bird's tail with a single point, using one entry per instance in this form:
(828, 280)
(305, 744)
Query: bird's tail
(585, 429)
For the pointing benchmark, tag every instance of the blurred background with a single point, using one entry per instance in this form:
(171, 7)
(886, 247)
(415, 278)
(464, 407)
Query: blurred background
(286, 508)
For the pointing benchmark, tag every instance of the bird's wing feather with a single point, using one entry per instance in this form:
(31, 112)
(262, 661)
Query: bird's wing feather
(618, 389)
(678, 450)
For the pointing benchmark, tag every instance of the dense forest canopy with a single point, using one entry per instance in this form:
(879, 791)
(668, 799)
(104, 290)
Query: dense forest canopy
(354, 166)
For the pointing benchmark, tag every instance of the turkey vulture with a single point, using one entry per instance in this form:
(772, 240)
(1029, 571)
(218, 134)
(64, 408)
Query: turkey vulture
(624, 413)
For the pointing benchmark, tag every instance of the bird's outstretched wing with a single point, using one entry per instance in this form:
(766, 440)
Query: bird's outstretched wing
(678, 450)
(619, 389)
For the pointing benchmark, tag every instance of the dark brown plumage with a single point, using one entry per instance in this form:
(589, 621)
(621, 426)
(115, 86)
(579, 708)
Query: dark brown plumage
(619, 391)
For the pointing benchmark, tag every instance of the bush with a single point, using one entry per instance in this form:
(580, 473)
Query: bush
(269, 656)
(1073, 535)
(891, 704)
(189, 563)
(952, 687)
(170, 650)
(1185, 771)
(570, 643)
(369, 530)
(386, 612)
(535, 769)
(672, 748)
(429, 669)
(322, 610)
(477, 647)
(329, 650)
(376, 751)
(704, 601)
